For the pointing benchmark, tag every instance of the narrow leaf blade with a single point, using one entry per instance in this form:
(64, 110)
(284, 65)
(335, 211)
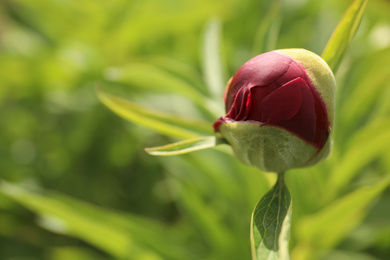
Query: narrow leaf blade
(186, 146)
(343, 34)
(124, 236)
(152, 78)
(160, 122)
(265, 36)
(364, 148)
(180, 69)
(271, 223)
(212, 67)
(323, 230)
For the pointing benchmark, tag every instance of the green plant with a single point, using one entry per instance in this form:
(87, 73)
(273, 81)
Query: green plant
(271, 216)
(122, 203)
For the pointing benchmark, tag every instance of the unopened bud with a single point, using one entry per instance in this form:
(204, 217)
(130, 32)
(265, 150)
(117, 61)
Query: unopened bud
(280, 108)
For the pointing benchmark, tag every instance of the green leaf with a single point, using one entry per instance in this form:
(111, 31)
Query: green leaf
(186, 146)
(373, 72)
(343, 34)
(152, 78)
(204, 216)
(365, 146)
(212, 67)
(323, 230)
(271, 224)
(124, 236)
(268, 30)
(73, 252)
(180, 69)
(160, 122)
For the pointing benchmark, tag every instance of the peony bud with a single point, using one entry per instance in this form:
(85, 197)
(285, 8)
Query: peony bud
(280, 108)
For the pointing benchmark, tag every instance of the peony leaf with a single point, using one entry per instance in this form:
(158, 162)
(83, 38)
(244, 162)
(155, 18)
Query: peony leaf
(268, 30)
(186, 146)
(167, 124)
(363, 148)
(181, 70)
(321, 231)
(123, 236)
(212, 67)
(343, 34)
(270, 225)
(152, 78)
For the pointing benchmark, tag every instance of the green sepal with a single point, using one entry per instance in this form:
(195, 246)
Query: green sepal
(270, 148)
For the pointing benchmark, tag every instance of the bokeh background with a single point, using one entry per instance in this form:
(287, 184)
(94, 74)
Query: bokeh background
(75, 182)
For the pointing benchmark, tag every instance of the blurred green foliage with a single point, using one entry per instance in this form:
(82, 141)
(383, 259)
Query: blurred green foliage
(82, 187)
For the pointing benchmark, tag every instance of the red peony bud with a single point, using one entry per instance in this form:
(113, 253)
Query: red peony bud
(292, 92)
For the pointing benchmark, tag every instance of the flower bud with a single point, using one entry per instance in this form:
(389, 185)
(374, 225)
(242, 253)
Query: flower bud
(280, 108)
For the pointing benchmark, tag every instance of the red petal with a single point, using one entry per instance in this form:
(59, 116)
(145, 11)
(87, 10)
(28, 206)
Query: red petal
(284, 103)
(261, 70)
(239, 110)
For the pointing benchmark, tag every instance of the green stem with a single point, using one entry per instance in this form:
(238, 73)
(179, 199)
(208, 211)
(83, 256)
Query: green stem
(281, 178)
